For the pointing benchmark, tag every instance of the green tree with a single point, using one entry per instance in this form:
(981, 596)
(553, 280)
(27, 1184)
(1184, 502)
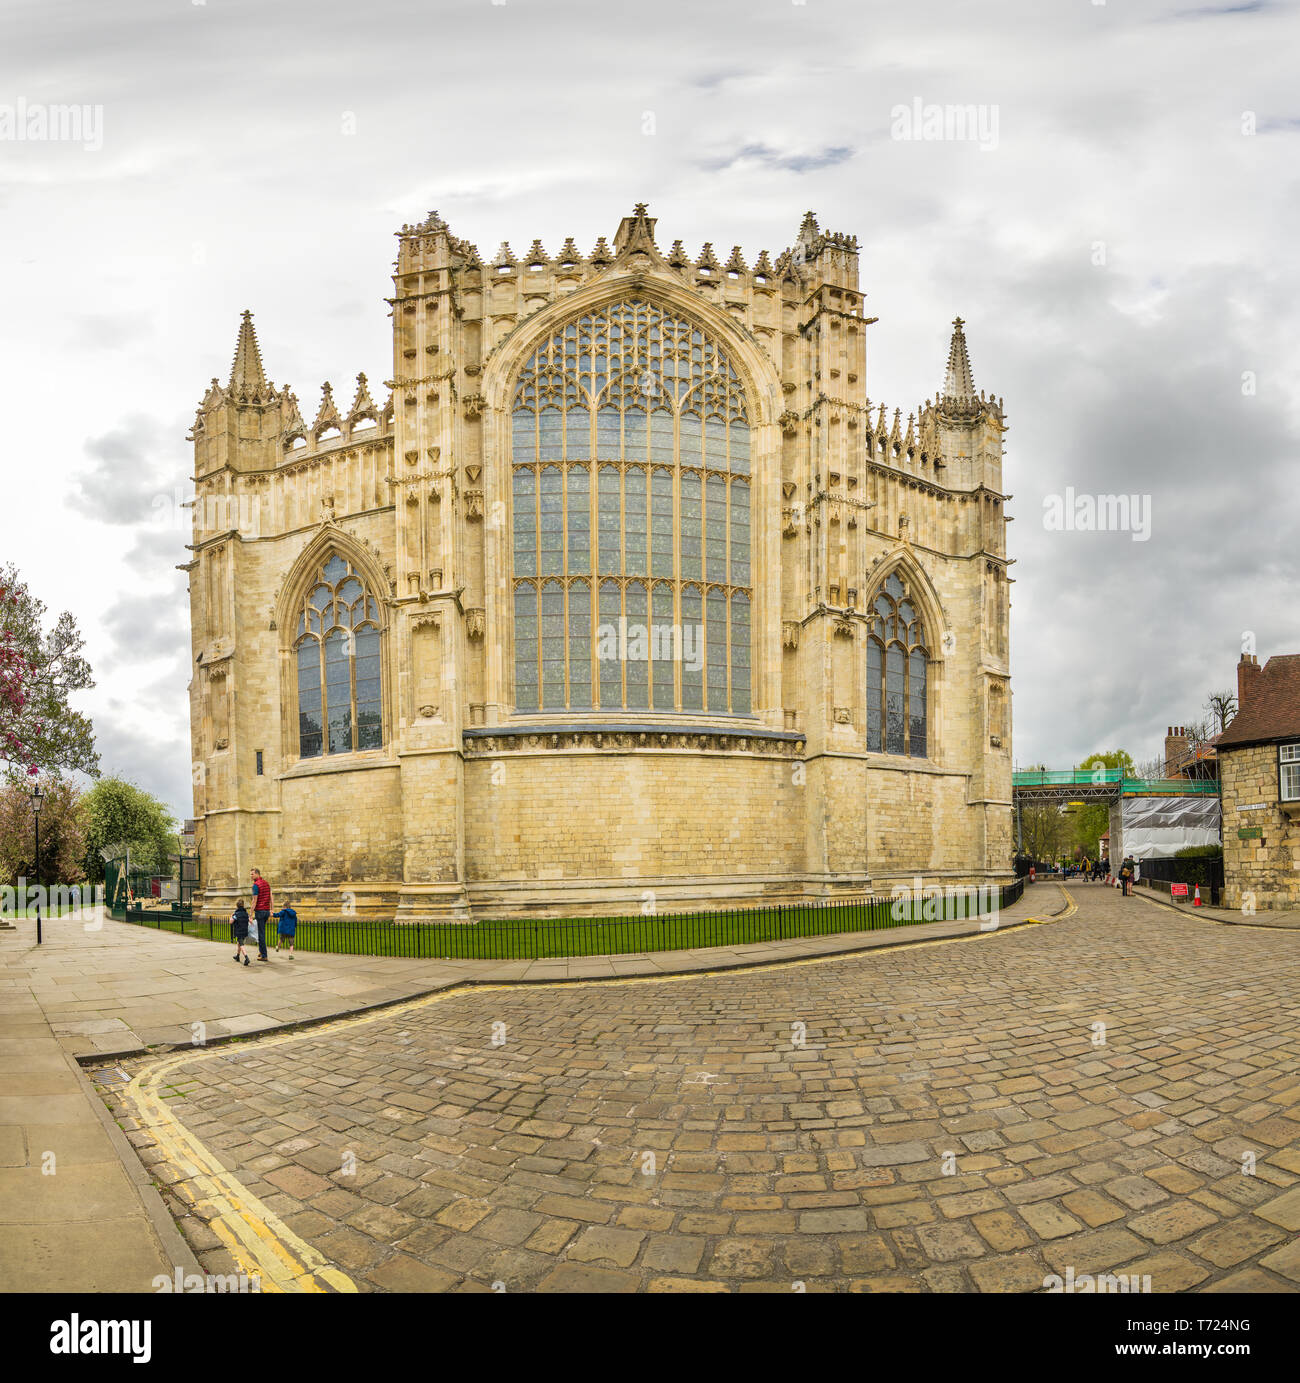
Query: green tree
(120, 813)
(39, 669)
(1110, 758)
(63, 839)
(1089, 821)
(1042, 830)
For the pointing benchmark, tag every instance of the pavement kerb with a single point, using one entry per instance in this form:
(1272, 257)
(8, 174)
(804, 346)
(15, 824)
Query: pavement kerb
(103, 1058)
(164, 1226)
(107, 1058)
(1202, 915)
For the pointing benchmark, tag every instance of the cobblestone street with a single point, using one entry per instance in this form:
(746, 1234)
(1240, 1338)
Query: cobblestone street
(1114, 1092)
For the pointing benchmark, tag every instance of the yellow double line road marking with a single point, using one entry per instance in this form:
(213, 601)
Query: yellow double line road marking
(257, 1239)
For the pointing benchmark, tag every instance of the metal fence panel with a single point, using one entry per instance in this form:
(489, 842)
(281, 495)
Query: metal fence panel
(544, 938)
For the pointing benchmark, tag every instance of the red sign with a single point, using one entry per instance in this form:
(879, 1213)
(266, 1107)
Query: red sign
(1178, 890)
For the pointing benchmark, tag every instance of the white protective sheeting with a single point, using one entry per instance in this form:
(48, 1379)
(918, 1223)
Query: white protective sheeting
(1158, 827)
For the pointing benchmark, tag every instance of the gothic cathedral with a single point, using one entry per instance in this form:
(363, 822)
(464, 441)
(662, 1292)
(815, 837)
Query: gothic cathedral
(625, 591)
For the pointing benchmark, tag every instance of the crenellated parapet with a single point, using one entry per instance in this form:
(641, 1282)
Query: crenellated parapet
(767, 299)
(250, 426)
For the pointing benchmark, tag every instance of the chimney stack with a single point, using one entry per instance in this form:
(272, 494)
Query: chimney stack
(1175, 750)
(1247, 676)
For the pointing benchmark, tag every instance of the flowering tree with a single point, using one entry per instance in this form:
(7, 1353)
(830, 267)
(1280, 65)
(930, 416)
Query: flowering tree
(39, 669)
(63, 834)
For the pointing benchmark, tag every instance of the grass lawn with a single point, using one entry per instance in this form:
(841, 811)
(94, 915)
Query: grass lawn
(527, 939)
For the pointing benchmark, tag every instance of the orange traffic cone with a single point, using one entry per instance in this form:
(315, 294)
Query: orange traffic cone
(1196, 902)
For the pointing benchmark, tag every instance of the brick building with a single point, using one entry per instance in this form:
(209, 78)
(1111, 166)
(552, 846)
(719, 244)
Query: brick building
(624, 588)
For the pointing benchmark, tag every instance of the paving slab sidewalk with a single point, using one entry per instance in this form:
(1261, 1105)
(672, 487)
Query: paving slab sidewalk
(120, 989)
(1286, 920)
(77, 1210)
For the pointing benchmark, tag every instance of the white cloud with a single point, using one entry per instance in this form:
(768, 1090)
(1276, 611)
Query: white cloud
(226, 181)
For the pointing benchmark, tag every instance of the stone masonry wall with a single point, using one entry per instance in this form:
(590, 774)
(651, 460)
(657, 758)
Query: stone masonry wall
(634, 821)
(1267, 867)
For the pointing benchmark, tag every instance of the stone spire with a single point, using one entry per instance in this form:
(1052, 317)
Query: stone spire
(246, 371)
(958, 384)
(636, 233)
(805, 245)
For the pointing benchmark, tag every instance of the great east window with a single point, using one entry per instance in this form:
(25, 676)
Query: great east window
(897, 664)
(337, 652)
(631, 517)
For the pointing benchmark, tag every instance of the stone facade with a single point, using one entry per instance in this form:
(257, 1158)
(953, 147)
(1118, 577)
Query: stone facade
(460, 805)
(1263, 868)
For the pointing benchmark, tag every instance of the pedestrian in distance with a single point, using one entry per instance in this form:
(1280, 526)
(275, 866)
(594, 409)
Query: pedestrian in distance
(239, 930)
(261, 911)
(287, 926)
(1126, 875)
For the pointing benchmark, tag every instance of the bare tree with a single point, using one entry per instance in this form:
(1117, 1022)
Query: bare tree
(1222, 706)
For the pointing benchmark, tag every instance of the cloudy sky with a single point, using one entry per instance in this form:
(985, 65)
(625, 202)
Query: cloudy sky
(1121, 242)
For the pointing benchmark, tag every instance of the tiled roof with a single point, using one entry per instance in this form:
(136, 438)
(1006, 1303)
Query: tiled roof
(1273, 710)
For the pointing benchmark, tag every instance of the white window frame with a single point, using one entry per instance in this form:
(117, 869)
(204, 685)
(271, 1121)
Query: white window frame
(1288, 772)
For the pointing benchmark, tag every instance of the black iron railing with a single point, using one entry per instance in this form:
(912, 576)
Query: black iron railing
(543, 937)
(1204, 871)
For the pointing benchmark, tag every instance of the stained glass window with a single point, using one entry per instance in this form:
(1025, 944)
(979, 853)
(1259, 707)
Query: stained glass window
(631, 519)
(897, 674)
(340, 703)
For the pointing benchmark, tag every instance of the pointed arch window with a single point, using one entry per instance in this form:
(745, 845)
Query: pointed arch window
(897, 675)
(340, 702)
(631, 465)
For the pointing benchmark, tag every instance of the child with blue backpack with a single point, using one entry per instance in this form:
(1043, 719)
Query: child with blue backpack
(287, 921)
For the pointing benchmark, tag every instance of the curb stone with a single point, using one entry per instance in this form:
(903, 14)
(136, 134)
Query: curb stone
(160, 1218)
(101, 1058)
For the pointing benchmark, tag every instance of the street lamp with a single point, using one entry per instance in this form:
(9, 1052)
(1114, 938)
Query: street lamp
(36, 813)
